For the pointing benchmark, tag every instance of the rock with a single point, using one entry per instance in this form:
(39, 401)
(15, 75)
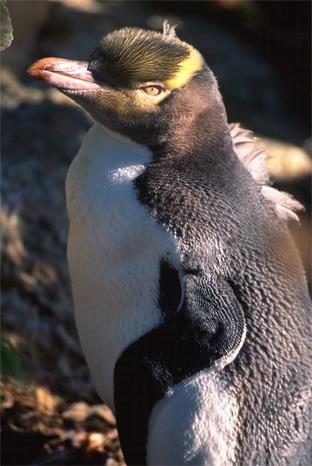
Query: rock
(46, 401)
(286, 162)
(77, 412)
(104, 413)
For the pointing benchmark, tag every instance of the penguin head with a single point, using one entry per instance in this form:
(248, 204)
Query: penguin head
(136, 82)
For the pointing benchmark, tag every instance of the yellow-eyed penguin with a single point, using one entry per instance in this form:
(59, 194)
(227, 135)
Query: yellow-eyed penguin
(191, 302)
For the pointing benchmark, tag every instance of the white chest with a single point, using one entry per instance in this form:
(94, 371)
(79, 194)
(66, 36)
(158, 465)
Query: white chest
(114, 252)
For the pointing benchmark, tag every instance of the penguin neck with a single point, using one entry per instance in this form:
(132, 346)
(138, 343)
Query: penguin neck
(206, 134)
(196, 123)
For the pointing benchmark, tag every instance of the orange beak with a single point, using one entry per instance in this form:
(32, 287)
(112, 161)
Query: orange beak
(64, 74)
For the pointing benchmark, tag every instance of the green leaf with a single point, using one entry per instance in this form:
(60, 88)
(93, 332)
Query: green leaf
(12, 365)
(6, 30)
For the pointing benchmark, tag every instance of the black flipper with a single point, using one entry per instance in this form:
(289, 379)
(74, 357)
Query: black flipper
(209, 329)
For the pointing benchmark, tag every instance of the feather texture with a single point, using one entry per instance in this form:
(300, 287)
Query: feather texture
(169, 31)
(254, 159)
(132, 55)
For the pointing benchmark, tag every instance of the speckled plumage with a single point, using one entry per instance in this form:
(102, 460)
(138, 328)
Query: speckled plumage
(230, 228)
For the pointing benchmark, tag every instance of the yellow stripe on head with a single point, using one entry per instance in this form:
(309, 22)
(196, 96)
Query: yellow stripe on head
(187, 68)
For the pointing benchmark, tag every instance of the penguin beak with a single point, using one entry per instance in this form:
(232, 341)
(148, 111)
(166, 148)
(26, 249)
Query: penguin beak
(66, 75)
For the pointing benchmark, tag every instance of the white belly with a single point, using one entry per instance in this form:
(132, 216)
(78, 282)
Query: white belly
(114, 252)
(194, 424)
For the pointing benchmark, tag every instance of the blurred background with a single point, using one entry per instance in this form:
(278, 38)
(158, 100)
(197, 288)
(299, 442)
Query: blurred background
(260, 53)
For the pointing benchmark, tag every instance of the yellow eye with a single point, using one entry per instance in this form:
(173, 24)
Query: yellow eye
(153, 90)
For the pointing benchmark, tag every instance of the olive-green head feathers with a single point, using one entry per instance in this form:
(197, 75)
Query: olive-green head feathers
(139, 83)
(130, 56)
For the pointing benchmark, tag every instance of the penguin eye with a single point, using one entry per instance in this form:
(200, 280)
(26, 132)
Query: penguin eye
(153, 90)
